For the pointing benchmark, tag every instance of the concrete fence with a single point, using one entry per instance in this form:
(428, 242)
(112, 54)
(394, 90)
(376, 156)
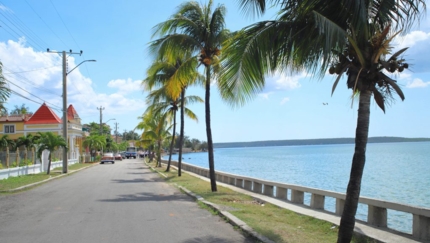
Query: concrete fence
(35, 168)
(376, 213)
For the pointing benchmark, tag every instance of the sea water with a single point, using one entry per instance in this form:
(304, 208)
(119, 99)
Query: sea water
(395, 172)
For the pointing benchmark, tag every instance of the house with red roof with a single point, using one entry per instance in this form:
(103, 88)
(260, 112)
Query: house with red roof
(44, 120)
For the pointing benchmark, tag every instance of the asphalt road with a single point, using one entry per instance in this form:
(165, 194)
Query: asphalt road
(121, 202)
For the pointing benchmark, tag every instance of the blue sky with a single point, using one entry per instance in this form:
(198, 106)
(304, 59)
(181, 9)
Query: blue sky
(116, 34)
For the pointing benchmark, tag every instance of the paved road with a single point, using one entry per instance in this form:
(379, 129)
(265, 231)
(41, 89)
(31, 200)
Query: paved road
(123, 202)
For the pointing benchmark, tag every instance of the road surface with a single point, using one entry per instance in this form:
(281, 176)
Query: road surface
(121, 202)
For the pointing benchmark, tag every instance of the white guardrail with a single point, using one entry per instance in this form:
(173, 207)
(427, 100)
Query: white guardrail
(377, 209)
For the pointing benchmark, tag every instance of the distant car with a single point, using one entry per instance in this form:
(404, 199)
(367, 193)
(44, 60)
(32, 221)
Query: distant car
(107, 157)
(123, 154)
(118, 156)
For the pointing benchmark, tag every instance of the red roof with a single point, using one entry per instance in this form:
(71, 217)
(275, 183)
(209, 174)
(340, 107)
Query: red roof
(71, 113)
(44, 115)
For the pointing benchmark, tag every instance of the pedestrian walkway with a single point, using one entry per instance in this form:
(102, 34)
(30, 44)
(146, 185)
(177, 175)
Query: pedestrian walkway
(361, 228)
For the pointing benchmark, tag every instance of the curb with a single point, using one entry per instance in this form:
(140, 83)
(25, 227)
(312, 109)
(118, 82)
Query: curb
(233, 220)
(40, 182)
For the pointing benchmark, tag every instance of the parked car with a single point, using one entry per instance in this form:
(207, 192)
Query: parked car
(107, 157)
(118, 156)
(123, 154)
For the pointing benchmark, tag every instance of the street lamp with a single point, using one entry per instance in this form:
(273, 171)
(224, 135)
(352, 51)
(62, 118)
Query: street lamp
(65, 73)
(101, 125)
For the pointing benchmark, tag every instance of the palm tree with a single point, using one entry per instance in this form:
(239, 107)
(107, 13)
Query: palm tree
(200, 31)
(94, 142)
(4, 91)
(28, 141)
(6, 142)
(173, 74)
(51, 142)
(171, 107)
(349, 37)
(155, 131)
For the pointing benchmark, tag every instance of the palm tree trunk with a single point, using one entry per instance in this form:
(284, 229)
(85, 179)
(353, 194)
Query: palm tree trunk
(173, 141)
(347, 221)
(209, 131)
(159, 154)
(181, 135)
(49, 163)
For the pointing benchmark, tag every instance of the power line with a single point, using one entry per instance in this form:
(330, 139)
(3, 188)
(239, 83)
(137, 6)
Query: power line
(32, 94)
(45, 23)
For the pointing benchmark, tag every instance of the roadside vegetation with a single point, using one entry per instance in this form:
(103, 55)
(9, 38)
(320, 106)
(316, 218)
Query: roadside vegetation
(19, 181)
(275, 223)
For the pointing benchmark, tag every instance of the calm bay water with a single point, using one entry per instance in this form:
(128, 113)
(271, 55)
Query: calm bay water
(396, 172)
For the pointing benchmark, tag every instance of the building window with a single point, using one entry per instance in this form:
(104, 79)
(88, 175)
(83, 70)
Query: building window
(9, 129)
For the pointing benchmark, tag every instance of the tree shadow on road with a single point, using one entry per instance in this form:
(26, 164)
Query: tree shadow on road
(146, 196)
(215, 239)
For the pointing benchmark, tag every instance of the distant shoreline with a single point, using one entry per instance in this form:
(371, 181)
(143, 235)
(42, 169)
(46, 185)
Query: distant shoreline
(321, 141)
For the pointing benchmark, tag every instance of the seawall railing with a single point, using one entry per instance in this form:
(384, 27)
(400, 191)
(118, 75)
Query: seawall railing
(376, 209)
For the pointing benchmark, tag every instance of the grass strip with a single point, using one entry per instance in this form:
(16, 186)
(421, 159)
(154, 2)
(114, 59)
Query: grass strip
(275, 223)
(23, 180)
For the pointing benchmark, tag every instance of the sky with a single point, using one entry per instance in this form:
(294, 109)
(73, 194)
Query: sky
(116, 34)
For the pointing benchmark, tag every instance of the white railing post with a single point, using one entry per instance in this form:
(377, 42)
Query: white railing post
(377, 216)
(317, 201)
(297, 196)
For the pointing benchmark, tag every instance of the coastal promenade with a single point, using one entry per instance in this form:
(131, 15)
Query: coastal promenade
(121, 202)
(276, 194)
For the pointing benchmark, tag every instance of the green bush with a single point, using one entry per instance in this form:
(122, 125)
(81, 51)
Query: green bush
(25, 162)
(98, 157)
(1, 166)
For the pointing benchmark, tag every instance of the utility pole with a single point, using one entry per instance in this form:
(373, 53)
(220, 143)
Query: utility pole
(65, 118)
(101, 116)
(116, 132)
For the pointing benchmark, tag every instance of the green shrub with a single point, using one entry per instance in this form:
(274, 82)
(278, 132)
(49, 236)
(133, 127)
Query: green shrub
(98, 157)
(1, 165)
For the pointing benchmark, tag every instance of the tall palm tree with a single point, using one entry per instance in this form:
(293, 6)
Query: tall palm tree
(173, 74)
(201, 31)
(349, 37)
(51, 142)
(4, 91)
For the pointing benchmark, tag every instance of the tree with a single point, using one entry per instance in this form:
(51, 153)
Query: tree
(155, 131)
(49, 141)
(4, 91)
(28, 141)
(6, 142)
(346, 37)
(200, 31)
(20, 110)
(94, 142)
(194, 144)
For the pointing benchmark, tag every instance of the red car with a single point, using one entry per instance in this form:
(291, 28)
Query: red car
(107, 157)
(118, 157)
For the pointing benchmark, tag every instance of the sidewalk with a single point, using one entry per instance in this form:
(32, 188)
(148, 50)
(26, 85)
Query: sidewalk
(360, 228)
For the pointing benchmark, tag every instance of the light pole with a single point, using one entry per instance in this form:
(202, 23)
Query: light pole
(65, 73)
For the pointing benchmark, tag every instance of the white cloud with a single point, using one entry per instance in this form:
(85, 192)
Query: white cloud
(40, 74)
(265, 95)
(125, 86)
(281, 81)
(285, 100)
(417, 83)
(411, 39)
